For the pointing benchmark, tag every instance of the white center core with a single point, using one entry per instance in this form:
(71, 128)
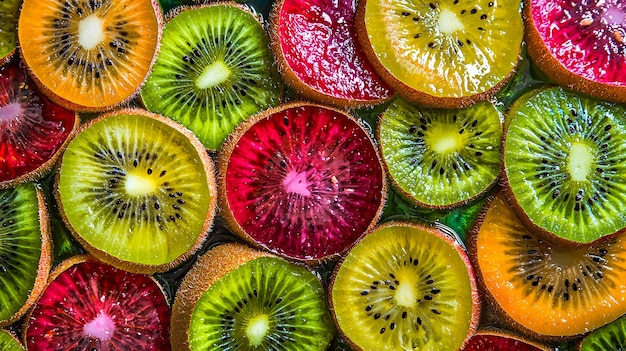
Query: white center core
(257, 329)
(445, 144)
(138, 185)
(10, 111)
(449, 22)
(90, 32)
(102, 327)
(580, 162)
(296, 182)
(212, 75)
(405, 295)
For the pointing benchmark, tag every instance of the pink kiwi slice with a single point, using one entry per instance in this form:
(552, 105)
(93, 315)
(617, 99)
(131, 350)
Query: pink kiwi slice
(580, 44)
(303, 181)
(500, 340)
(315, 43)
(32, 129)
(89, 305)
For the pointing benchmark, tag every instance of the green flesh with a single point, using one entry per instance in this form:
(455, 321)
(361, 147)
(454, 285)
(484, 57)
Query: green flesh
(441, 158)
(288, 297)
(135, 188)
(611, 337)
(9, 14)
(211, 102)
(8, 342)
(566, 163)
(20, 247)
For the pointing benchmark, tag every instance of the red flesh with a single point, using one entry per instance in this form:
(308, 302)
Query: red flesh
(486, 342)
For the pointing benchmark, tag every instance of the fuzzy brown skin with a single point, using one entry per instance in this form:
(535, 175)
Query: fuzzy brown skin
(134, 267)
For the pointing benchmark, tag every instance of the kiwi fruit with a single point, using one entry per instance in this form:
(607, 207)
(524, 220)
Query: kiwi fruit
(492, 339)
(214, 70)
(405, 286)
(445, 53)
(9, 13)
(238, 298)
(137, 190)
(9, 342)
(25, 250)
(89, 305)
(89, 55)
(565, 164)
(579, 44)
(610, 337)
(301, 180)
(441, 158)
(544, 289)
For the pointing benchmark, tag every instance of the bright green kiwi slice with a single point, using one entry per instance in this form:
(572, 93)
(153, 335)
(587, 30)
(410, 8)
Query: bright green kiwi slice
(610, 337)
(25, 255)
(214, 70)
(9, 13)
(8, 342)
(565, 164)
(405, 287)
(441, 158)
(137, 189)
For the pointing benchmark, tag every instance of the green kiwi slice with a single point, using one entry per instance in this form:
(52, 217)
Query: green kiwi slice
(9, 13)
(25, 250)
(565, 164)
(441, 158)
(405, 287)
(214, 69)
(610, 337)
(9, 342)
(138, 190)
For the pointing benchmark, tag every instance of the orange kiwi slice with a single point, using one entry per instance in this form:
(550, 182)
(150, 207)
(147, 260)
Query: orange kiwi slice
(89, 54)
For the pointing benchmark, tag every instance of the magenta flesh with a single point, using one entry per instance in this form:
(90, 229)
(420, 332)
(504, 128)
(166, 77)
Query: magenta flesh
(487, 342)
(305, 182)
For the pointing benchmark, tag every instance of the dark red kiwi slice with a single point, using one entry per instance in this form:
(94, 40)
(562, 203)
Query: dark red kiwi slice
(610, 337)
(565, 164)
(501, 340)
(405, 287)
(441, 158)
(25, 250)
(9, 13)
(9, 342)
(89, 305)
(138, 190)
(301, 180)
(33, 130)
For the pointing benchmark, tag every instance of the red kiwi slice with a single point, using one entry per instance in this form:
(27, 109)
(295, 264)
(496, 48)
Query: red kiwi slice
(546, 289)
(237, 298)
(89, 54)
(501, 340)
(441, 158)
(610, 337)
(9, 342)
(89, 305)
(405, 287)
(565, 164)
(33, 130)
(301, 180)
(214, 70)
(25, 250)
(445, 53)
(9, 13)
(580, 44)
(138, 190)
(315, 45)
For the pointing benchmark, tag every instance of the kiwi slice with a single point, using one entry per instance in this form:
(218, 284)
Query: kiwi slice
(610, 337)
(441, 158)
(89, 54)
(405, 287)
(9, 342)
(237, 298)
(25, 250)
(491, 339)
(137, 190)
(565, 164)
(546, 289)
(89, 305)
(214, 70)
(444, 53)
(9, 12)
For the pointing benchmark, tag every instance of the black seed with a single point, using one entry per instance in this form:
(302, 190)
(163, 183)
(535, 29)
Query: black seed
(382, 330)
(428, 297)
(376, 315)
(435, 311)
(565, 296)
(473, 11)
(419, 321)
(368, 308)
(412, 129)
(157, 206)
(483, 16)
(149, 171)
(441, 170)
(490, 4)
(607, 128)
(469, 43)
(417, 35)
(463, 11)
(364, 292)
(432, 6)
(431, 45)
(478, 153)
(404, 314)
(404, 13)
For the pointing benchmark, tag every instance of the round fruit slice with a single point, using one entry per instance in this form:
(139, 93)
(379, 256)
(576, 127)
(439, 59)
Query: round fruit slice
(500, 340)
(138, 190)
(237, 298)
(89, 305)
(214, 70)
(580, 44)
(9, 342)
(446, 53)
(544, 288)
(89, 54)
(303, 181)
(441, 158)
(405, 287)
(25, 250)
(315, 45)
(33, 130)
(9, 12)
(565, 164)
(607, 338)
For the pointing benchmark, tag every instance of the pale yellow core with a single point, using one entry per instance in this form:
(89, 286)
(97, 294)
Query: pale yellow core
(139, 185)
(212, 75)
(444, 139)
(580, 162)
(257, 329)
(90, 32)
(449, 22)
(405, 295)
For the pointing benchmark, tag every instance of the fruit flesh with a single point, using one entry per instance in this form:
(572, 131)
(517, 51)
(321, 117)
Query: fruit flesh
(495, 342)
(9, 12)
(8, 342)
(607, 338)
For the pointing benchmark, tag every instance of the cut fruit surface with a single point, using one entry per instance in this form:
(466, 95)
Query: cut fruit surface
(9, 12)
(9, 342)
(607, 338)
(405, 287)
(315, 43)
(498, 340)
(303, 181)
